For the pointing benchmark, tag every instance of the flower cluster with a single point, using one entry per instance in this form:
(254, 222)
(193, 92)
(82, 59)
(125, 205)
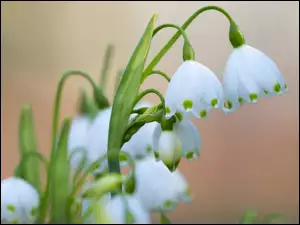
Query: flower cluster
(150, 139)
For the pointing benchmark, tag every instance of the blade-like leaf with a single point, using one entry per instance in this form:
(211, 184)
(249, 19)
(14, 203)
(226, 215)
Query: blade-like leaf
(60, 183)
(249, 217)
(27, 140)
(126, 94)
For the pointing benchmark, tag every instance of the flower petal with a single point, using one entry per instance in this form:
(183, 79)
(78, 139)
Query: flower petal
(19, 201)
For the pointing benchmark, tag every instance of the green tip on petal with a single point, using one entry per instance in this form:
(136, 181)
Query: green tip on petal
(187, 104)
(266, 92)
(190, 155)
(168, 110)
(285, 86)
(228, 104)
(11, 208)
(214, 102)
(179, 116)
(203, 113)
(169, 204)
(253, 97)
(277, 87)
(241, 100)
(173, 166)
(156, 155)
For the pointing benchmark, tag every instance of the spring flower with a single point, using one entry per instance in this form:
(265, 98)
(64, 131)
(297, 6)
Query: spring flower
(128, 206)
(140, 145)
(195, 89)
(19, 201)
(166, 146)
(116, 210)
(249, 74)
(78, 138)
(156, 187)
(97, 137)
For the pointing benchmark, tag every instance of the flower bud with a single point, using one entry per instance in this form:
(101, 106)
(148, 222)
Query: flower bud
(107, 183)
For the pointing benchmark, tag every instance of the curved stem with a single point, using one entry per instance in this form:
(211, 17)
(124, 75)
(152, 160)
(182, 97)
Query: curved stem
(55, 124)
(96, 164)
(166, 48)
(158, 72)
(148, 91)
(183, 33)
(35, 154)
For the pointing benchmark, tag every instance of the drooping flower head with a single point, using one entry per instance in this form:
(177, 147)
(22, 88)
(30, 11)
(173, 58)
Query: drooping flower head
(19, 201)
(182, 141)
(156, 187)
(249, 74)
(78, 138)
(194, 89)
(140, 145)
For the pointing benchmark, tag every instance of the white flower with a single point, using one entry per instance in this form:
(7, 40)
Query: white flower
(249, 74)
(19, 201)
(167, 148)
(97, 137)
(87, 203)
(77, 140)
(115, 210)
(193, 88)
(156, 187)
(140, 145)
(186, 133)
(121, 206)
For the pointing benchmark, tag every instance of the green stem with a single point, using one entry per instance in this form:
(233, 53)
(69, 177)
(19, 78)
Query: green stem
(148, 91)
(106, 63)
(55, 124)
(171, 42)
(158, 72)
(183, 33)
(34, 154)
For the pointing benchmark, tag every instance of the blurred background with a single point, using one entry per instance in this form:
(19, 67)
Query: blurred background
(249, 159)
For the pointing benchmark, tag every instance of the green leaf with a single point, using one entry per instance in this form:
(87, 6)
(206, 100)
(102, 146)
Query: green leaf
(273, 218)
(125, 96)
(60, 183)
(118, 79)
(248, 217)
(28, 143)
(164, 219)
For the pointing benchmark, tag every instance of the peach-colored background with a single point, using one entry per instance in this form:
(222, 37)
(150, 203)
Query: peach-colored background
(249, 159)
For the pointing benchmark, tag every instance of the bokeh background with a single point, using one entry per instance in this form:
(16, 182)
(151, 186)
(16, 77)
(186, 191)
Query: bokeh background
(249, 160)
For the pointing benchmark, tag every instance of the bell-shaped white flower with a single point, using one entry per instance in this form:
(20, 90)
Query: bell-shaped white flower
(140, 145)
(156, 187)
(167, 147)
(116, 210)
(128, 206)
(249, 74)
(97, 137)
(186, 133)
(19, 201)
(195, 89)
(77, 140)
